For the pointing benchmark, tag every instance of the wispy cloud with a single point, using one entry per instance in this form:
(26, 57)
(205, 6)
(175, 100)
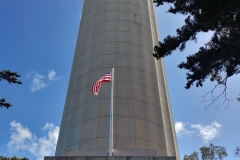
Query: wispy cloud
(52, 76)
(208, 132)
(22, 139)
(181, 130)
(37, 81)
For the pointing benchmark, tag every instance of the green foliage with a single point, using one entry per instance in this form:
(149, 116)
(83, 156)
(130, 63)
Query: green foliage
(193, 156)
(208, 153)
(237, 151)
(4, 158)
(219, 59)
(13, 158)
(3, 103)
(11, 77)
(213, 152)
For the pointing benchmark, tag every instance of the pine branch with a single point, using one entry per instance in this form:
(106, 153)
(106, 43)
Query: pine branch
(3, 103)
(11, 77)
(237, 151)
(219, 59)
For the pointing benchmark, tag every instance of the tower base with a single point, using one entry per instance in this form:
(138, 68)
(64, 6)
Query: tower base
(109, 158)
(131, 154)
(116, 152)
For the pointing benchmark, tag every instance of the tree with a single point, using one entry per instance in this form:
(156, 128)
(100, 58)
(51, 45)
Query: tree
(11, 77)
(193, 156)
(13, 158)
(219, 59)
(208, 153)
(237, 151)
(4, 158)
(213, 152)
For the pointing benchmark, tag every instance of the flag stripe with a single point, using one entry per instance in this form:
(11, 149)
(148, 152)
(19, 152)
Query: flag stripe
(106, 78)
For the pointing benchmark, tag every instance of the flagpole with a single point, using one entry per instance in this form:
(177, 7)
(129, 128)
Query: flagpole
(110, 153)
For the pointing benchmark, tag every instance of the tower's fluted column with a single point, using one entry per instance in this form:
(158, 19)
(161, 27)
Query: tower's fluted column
(120, 33)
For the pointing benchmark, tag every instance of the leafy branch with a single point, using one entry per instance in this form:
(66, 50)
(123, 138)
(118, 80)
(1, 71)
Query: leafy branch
(219, 59)
(11, 77)
(237, 151)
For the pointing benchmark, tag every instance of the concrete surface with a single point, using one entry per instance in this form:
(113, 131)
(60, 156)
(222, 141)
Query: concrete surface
(108, 158)
(120, 33)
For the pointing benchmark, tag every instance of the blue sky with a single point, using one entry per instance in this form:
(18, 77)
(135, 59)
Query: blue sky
(38, 39)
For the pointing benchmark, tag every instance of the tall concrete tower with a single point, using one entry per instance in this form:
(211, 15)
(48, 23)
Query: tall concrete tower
(120, 33)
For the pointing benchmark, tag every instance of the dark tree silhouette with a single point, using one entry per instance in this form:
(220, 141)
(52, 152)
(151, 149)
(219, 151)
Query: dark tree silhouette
(11, 77)
(237, 151)
(208, 153)
(13, 158)
(219, 59)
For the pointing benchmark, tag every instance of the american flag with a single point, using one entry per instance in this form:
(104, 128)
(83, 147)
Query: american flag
(106, 78)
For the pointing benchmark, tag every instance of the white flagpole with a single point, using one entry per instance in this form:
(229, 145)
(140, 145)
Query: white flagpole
(110, 153)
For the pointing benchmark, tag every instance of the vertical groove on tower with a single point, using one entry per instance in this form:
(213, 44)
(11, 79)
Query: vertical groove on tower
(118, 33)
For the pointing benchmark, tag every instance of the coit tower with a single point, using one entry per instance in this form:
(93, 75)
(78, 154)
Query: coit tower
(119, 33)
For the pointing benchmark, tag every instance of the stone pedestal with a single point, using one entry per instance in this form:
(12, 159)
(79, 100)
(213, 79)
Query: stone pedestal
(108, 158)
(116, 152)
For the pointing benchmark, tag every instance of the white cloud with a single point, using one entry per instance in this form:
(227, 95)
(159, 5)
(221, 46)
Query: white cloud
(37, 81)
(29, 75)
(52, 75)
(47, 144)
(22, 139)
(181, 130)
(207, 132)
